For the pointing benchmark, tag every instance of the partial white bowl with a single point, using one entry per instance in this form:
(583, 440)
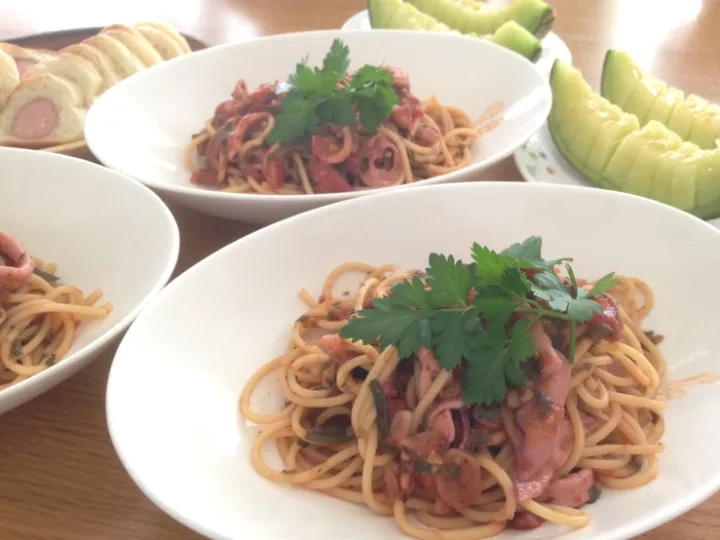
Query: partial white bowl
(553, 47)
(102, 229)
(143, 125)
(177, 428)
(539, 160)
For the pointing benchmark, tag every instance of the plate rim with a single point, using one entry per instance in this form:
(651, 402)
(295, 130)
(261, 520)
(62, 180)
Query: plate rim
(112, 403)
(207, 195)
(17, 391)
(543, 139)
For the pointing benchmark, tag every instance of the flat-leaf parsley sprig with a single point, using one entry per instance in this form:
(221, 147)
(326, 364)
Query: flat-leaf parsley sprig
(468, 314)
(319, 96)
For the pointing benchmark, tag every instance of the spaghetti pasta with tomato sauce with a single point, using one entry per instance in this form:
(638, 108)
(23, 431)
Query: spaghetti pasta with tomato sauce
(467, 399)
(39, 315)
(360, 130)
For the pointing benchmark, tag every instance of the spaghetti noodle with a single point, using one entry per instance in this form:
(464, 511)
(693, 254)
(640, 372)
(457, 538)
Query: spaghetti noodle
(39, 316)
(363, 425)
(419, 140)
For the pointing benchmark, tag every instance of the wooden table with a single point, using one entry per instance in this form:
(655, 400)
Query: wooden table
(59, 476)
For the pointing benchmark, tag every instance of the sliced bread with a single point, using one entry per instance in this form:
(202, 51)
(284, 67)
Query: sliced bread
(25, 59)
(160, 40)
(123, 61)
(135, 43)
(43, 110)
(99, 59)
(176, 36)
(9, 76)
(76, 69)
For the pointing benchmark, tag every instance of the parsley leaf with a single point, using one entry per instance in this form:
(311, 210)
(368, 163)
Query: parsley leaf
(337, 60)
(528, 250)
(479, 316)
(528, 254)
(320, 96)
(297, 120)
(513, 373)
(521, 344)
(400, 326)
(580, 308)
(550, 287)
(452, 335)
(336, 109)
(510, 288)
(515, 282)
(411, 293)
(374, 105)
(374, 96)
(494, 301)
(603, 285)
(308, 82)
(368, 75)
(496, 364)
(450, 281)
(489, 266)
(484, 377)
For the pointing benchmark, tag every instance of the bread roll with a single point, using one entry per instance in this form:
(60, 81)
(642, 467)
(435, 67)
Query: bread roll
(135, 43)
(123, 61)
(9, 75)
(76, 69)
(99, 59)
(176, 36)
(43, 110)
(160, 40)
(25, 59)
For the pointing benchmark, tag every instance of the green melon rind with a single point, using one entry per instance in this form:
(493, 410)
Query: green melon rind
(650, 161)
(693, 118)
(514, 37)
(535, 16)
(402, 15)
(619, 77)
(573, 103)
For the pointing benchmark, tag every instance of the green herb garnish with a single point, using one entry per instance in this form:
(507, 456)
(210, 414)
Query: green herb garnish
(315, 98)
(487, 332)
(380, 402)
(328, 434)
(477, 441)
(50, 360)
(593, 494)
(545, 402)
(16, 348)
(451, 471)
(422, 466)
(635, 464)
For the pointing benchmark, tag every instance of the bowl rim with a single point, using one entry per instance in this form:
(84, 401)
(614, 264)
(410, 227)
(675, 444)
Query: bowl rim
(92, 348)
(205, 194)
(642, 524)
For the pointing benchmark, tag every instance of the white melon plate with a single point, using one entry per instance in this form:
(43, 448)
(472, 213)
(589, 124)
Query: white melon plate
(539, 161)
(553, 46)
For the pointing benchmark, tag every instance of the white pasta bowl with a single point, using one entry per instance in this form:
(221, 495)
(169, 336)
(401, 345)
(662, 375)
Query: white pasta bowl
(103, 231)
(143, 125)
(177, 426)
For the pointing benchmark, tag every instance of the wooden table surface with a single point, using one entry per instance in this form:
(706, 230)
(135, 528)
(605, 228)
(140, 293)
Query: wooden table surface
(60, 478)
